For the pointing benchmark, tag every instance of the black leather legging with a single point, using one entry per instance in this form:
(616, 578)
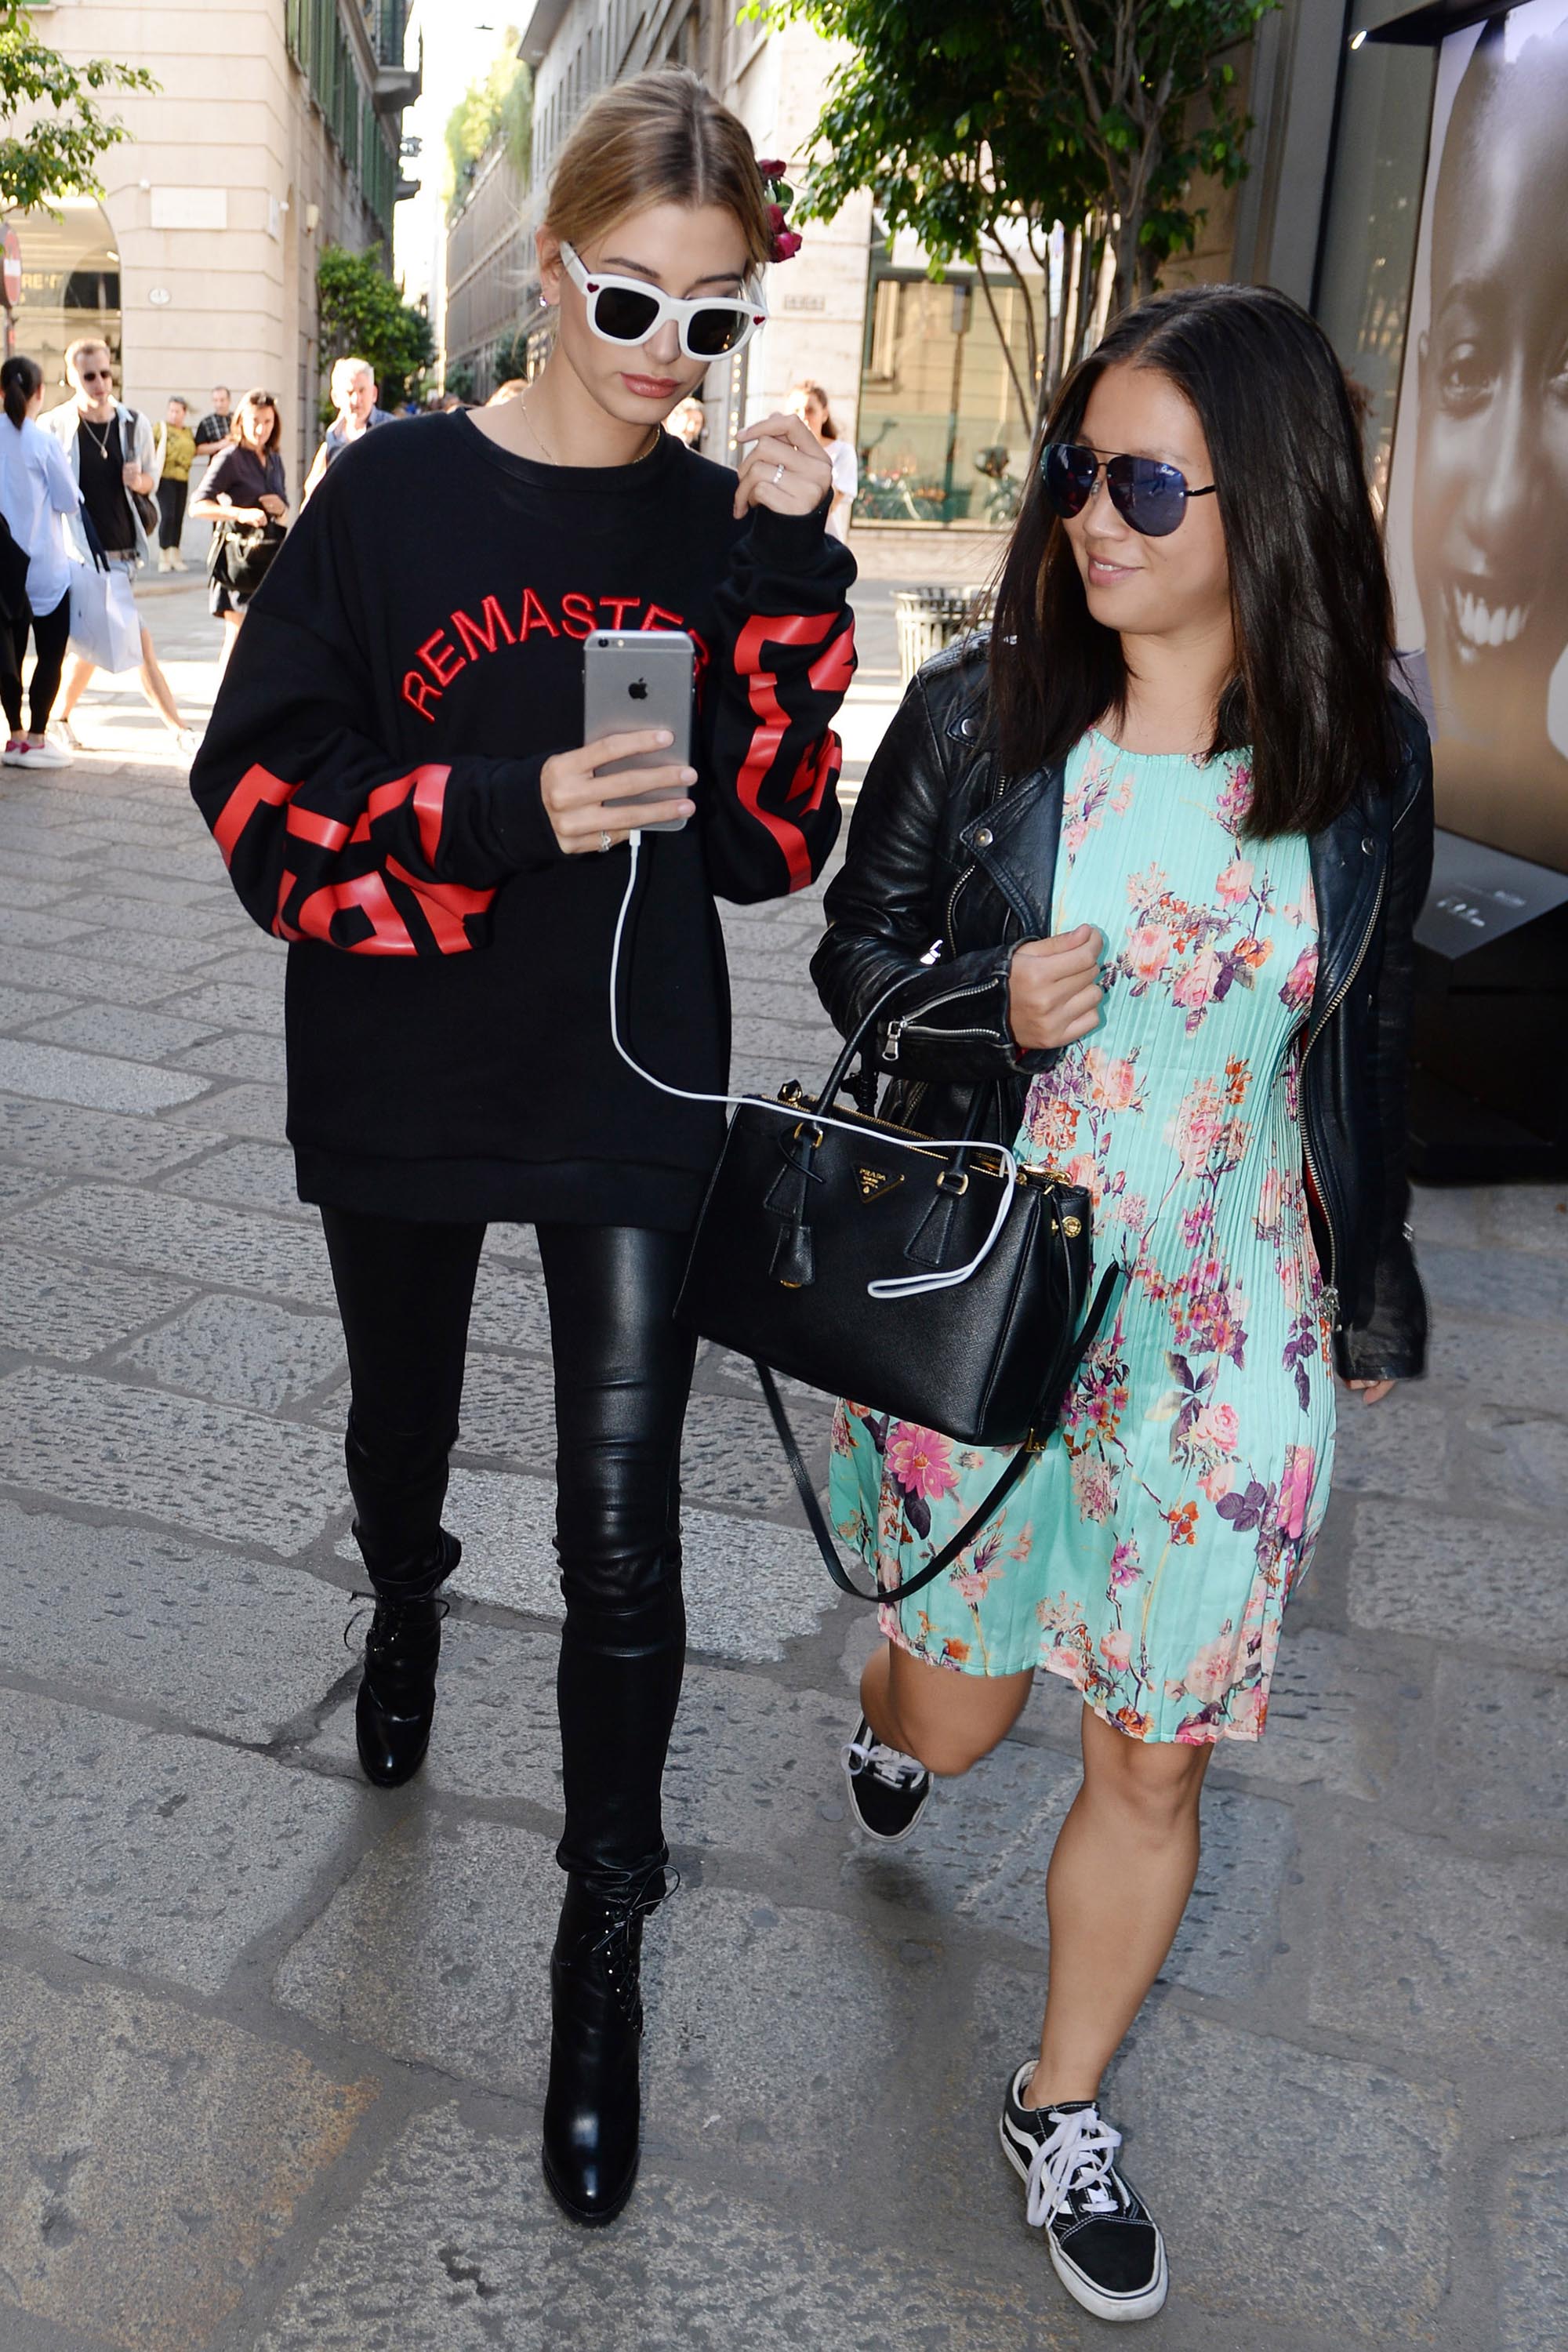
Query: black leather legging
(623, 1372)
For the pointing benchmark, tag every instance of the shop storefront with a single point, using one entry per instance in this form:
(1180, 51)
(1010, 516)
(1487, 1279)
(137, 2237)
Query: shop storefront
(61, 281)
(941, 435)
(1443, 279)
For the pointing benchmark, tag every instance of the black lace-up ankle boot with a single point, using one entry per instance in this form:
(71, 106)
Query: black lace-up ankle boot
(397, 1703)
(593, 2109)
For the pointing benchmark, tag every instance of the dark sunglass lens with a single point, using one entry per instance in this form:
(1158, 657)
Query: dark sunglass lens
(1068, 471)
(625, 316)
(713, 333)
(1149, 496)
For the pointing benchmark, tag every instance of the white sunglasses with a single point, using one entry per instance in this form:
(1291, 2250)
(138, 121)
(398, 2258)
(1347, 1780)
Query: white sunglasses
(625, 310)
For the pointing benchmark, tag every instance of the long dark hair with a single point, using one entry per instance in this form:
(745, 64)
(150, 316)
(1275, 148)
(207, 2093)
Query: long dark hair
(20, 380)
(1310, 607)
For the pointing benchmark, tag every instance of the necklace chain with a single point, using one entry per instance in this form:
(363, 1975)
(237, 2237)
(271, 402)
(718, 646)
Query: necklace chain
(550, 455)
(101, 446)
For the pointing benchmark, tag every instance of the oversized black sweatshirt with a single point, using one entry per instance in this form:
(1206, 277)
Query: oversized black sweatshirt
(372, 776)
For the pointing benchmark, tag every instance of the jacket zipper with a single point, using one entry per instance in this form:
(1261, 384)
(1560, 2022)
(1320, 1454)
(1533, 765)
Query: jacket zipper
(955, 996)
(1331, 1286)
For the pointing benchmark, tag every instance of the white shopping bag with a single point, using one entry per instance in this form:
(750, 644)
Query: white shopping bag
(105, 628)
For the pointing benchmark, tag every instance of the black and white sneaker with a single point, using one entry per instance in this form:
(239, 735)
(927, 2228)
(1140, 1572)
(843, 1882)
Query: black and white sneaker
(888, 1791)
(1106, 2246)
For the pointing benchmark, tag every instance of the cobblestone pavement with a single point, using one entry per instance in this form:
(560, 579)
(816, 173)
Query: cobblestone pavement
(272, 2042)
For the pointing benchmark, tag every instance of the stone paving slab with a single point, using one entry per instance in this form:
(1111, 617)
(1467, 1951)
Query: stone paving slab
(22, 1007)
(46, 1308)
(169, 1234)
(749, 1587)
(453, 2246)
(236, 1647)
(156, 1853)
(437, 1949)
(985, 1843)
(208, 1468)
(65, 1138)
(1500, 1758)
(219, 1005)
(243, 1350)
(53, 968)
(1337, 1719)
(239, 1109)
(1422, 1947)
(244, 1054)
(53, 1074)
(1445, 1577)
(150, 2159)
(1529, 2233)
(249, 1175)
(136, 1034)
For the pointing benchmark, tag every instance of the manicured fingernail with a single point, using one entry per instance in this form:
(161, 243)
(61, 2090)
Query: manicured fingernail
(664, 736)
(689, 775)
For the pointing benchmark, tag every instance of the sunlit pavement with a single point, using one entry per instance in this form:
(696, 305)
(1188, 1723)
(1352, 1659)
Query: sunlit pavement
(273, 2041)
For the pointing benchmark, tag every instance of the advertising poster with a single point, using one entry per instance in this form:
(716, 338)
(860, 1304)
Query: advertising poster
(1478, 509)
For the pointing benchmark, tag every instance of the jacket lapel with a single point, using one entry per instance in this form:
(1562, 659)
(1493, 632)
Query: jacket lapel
(1015, 840)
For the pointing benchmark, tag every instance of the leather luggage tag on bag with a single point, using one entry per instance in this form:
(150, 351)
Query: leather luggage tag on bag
(875, 1182)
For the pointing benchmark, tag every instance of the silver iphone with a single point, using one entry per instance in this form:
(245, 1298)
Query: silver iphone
(635, 678)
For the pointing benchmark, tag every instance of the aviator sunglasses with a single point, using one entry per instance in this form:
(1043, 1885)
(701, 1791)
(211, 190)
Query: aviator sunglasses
(625, 310)
(1149, 496)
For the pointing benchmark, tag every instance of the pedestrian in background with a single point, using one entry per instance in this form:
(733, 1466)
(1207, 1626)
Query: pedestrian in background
(174, 454)
(245, 496)
(354, 390)
(689, 421)
(810, 401)
(36, 491)
(212, 432)
(111, 456)
(410, 799)
(1172, 828)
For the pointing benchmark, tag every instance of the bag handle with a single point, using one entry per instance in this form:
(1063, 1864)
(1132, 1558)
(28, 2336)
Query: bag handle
(1033, 1443)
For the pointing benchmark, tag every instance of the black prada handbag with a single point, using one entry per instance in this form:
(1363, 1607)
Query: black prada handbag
(931, 1280)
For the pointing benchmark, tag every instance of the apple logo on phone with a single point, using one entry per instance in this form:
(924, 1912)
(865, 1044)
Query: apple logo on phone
(638, 690)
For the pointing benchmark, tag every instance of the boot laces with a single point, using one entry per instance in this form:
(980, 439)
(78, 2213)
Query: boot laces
(386, 1616)
(1070, 2170)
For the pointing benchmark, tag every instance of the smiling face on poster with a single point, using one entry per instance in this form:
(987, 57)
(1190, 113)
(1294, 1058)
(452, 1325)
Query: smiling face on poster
(1479, 501)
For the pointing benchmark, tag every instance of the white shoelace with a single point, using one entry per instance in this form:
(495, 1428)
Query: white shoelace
(1074, 2163)
(888, 1764)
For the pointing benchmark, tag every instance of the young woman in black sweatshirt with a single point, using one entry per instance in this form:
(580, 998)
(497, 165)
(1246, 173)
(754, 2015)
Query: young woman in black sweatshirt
(396, 777)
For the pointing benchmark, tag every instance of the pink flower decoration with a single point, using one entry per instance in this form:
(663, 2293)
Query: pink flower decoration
(1195, 987)
(1213, 1669)
(1295, 1490)
(1217, 1427)
(1302, 979)
(1148, 951)
(920, 1461)
(1235, 885)
(1116, 1649)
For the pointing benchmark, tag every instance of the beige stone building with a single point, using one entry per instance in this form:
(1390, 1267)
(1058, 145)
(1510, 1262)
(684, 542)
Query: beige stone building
(275, 130)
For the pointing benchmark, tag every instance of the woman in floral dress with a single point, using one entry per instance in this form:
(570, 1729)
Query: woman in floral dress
(1173, 829)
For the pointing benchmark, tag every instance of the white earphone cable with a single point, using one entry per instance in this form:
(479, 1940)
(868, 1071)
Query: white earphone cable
(911, 1285)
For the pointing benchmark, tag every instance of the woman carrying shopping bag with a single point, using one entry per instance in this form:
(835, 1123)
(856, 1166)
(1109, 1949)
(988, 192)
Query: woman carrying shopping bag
(1169, 829)
(36, 492)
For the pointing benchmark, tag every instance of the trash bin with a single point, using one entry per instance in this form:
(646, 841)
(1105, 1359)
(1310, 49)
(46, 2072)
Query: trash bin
(930, 618)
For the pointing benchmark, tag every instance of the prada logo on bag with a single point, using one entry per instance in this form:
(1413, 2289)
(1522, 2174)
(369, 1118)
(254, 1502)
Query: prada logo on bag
(874, 1182)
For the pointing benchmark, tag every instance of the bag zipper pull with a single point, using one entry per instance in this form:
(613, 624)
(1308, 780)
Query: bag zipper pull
(890, 1049)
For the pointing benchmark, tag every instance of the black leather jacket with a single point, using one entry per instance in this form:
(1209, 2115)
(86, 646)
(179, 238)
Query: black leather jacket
(946, 848)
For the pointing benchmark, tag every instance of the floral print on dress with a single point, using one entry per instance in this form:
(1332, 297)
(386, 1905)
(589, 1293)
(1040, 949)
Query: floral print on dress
(1148, 1554)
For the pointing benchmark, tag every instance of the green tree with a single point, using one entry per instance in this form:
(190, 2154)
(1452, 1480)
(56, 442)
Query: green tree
(362, 311)
(499, 105)
(66, 128)
(1064, 134)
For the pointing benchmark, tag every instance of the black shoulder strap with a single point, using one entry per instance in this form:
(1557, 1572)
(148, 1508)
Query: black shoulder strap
(816, 1518)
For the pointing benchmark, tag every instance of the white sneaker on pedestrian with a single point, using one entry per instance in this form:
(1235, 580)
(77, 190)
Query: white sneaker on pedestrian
(185, 743)
(68, 735)
(20, 754)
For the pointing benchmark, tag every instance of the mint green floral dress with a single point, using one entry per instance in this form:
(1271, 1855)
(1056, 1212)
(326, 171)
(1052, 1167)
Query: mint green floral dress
(1148, 1554)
